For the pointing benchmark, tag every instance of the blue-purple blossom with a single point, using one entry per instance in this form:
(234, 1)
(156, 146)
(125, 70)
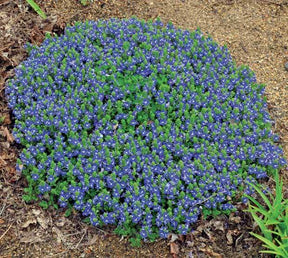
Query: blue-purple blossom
(140, 125)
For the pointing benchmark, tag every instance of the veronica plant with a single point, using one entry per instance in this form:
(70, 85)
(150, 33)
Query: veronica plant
(140, 125)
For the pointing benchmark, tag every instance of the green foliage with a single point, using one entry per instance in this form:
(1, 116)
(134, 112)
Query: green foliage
(68, 212)
(272, 219)
(139, 125)
(135, 241)
(85, 2)
(44, 204)
(2, 118)
(37, 8)
(214, 213)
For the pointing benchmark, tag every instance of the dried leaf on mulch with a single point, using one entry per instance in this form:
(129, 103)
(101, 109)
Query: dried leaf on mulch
(174, 249)
(173, 237)
(43, 222)
(219, 225)
(229, 237)
(235, 219)
(210, 252)
(8, 135)
(29, 222)
(60, 237)
(30, 237)
(5, 118)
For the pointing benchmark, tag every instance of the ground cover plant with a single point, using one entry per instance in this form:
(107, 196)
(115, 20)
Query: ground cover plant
(140, 125)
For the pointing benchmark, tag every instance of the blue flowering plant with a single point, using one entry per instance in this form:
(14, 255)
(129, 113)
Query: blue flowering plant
(140, 125)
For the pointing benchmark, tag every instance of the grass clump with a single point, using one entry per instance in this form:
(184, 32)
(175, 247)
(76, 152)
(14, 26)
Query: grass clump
(272, 219)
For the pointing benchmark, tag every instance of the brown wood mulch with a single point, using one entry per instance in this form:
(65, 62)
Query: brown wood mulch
(256, 33)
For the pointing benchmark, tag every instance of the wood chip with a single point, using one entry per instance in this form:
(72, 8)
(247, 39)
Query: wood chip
(7, 120)
(29, 222)
(236, 219)
(36, 212)
(210, 252)
(43, 222)
(173, 237)
(60, 237)
(174, 249)
(219, 225)
(229, 237)
(31, 239)
(9, 136)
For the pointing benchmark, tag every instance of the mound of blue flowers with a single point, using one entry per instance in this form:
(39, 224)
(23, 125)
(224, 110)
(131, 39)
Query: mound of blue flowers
(139, 125)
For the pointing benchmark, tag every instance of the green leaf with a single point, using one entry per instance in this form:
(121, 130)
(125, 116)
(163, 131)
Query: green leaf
(68, 212)
(272, 252)
(262, 226)
(275, 233)
(44, 205)
(262, 211)
(255, 202)
(135, 242)
(265, 199)
(272, 222)
(28, 198)
(269, 244)
(37, 8)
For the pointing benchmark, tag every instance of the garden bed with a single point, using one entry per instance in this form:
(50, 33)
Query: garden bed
(255, 34)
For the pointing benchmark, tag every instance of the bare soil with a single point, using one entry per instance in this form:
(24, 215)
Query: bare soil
(256, 33)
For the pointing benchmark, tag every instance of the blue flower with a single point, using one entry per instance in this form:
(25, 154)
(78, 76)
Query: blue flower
(44, 188)
(140, 124)
(35, 177)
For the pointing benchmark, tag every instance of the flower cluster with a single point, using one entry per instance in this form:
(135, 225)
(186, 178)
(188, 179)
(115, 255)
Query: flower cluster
(139, 124)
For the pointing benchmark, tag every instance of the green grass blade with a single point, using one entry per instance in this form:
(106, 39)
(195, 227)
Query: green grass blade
(36, 8)
(279, 196)
(285, 246)
(272, 222)
(255, 202)
(272, 252)
(282, 248)
(265, 199)
(269, 244)
(263, 212)
(276, 239)
(275, 233)
(262, 226)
